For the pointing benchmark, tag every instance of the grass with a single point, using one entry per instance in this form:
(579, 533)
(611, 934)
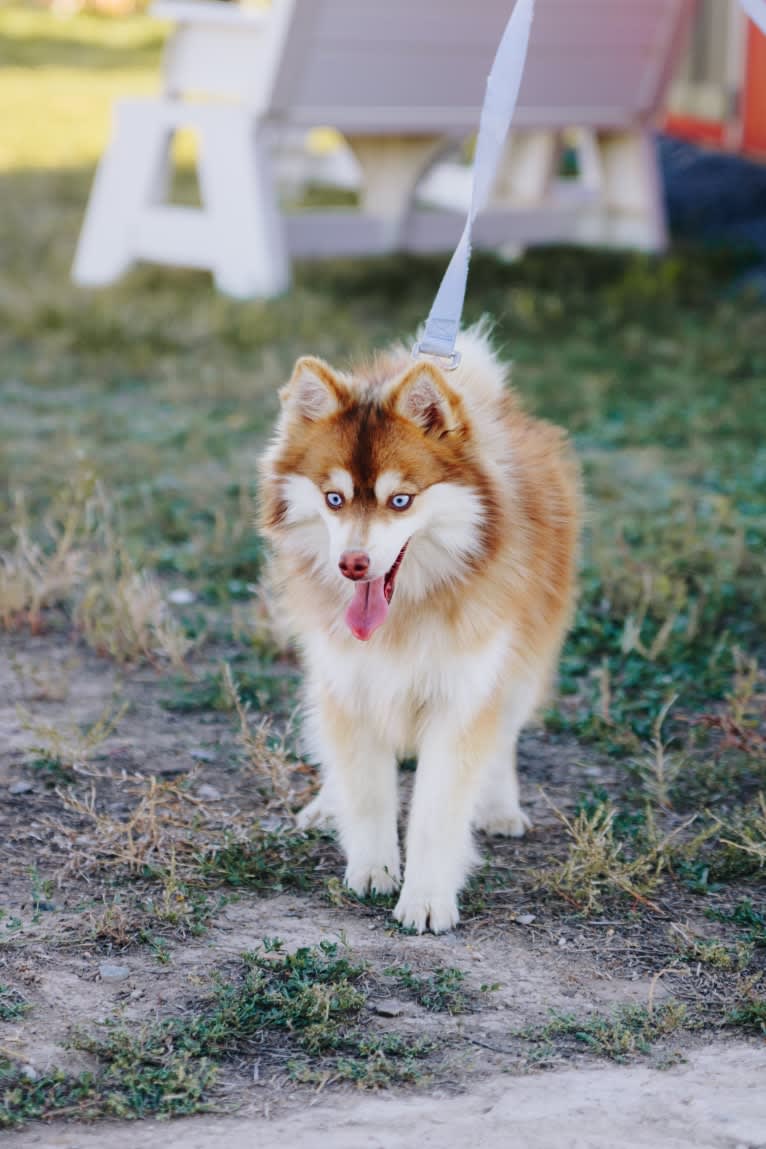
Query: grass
(602, 863)
(751, 921)
(750, 1014)
(12, 1004)
(626, 1033)
(171, 835)
(300, 1011)
(440, 991)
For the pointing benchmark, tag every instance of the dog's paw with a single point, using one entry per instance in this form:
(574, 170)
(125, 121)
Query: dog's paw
(316, 815)
(419, 910)
(368, 878)
(502, 824)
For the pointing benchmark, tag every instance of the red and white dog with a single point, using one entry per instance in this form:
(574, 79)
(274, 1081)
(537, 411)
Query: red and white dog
(424, 535)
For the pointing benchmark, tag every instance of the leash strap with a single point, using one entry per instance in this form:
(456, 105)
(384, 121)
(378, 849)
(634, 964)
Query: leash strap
(502, 92)
(756, 10)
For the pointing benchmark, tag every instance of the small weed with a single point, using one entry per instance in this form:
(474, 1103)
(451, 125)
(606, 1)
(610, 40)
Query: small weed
(746, 915)
(621, 1036)
(439, 991)
(267, 756)
(745, 848)
(179, 911)
(12, 1004)
(749, 1011)
(123, 614)
(40, 573)
(67, 749)
(43, 680)
(660, 770)
(715, 953)
(267, 862)
(598, 864)
(266, 688)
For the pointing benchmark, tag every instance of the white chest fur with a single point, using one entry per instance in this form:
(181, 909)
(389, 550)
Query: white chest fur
(396, 690)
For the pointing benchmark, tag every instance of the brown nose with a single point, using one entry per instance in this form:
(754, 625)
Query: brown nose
(354, 564)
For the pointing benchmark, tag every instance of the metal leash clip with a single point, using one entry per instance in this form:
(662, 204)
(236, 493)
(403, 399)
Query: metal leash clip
(449, 361)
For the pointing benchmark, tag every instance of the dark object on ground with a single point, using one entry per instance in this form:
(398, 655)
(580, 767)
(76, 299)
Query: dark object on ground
(717, 198)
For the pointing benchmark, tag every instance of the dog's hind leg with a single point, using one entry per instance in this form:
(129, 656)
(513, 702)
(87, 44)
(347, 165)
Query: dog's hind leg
(499, 809)
(361, 785)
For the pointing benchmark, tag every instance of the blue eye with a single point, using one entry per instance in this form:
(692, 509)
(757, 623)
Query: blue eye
(400, 502)
(334, 500)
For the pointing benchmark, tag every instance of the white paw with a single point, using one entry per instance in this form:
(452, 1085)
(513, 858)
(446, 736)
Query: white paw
(420, 910)
(373, 878)
(316, 815)
(504, 824)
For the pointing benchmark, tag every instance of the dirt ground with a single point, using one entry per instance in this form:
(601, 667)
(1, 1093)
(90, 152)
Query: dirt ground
(715, 1100)
(520, 958)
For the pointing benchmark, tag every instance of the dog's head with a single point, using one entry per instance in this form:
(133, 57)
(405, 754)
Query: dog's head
(373, 486)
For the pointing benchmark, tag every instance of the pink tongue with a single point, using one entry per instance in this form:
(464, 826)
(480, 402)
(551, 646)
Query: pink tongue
(368, 608)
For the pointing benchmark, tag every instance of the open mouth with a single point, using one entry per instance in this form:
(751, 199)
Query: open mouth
(371, 601)
(389, 579)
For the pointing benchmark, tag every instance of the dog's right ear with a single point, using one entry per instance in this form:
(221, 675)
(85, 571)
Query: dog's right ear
(314, 392)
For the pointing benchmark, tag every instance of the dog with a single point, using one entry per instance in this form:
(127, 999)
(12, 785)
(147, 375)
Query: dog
(423, 533)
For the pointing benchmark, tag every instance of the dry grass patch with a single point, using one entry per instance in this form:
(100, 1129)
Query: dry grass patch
(70, 748)
(267, 757)
(76, 559)
(748, 836)
(167, 829)
(599, 864)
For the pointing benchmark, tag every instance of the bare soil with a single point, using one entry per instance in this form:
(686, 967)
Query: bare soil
(522, 956)
(715, 1100)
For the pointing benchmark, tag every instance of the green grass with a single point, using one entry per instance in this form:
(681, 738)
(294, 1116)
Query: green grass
(441, 991)
(309, 1004)
(750, 1015)
(156, 395)
(751, 921)
(12, 1004)
(268, 864)
(626, 1033)
(263, 687)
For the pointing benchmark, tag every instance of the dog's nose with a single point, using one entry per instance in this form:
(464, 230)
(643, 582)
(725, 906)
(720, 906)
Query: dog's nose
(354, 564)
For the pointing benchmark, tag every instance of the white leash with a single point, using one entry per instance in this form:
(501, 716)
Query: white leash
(502, 92)
(443, 323)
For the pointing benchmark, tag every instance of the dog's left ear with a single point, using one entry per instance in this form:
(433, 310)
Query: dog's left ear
(424, 396)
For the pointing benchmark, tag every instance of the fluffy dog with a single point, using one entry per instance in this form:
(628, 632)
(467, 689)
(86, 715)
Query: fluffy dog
(423, 533)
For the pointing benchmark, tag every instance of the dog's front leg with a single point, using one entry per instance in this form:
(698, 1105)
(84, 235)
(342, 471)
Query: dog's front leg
(361, 778)
(440, 850)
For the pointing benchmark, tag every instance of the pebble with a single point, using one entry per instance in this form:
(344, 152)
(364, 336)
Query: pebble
(389, 1008)
(30, 1073)
(202, 755)
(209, 793)
(181, 596)
(525, 919)
(108, 971)
(20, 787)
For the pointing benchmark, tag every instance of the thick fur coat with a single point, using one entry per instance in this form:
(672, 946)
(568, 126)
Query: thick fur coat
(423, 532)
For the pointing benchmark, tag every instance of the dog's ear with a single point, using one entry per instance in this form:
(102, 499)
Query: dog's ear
(314, 392)
(423, 396)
